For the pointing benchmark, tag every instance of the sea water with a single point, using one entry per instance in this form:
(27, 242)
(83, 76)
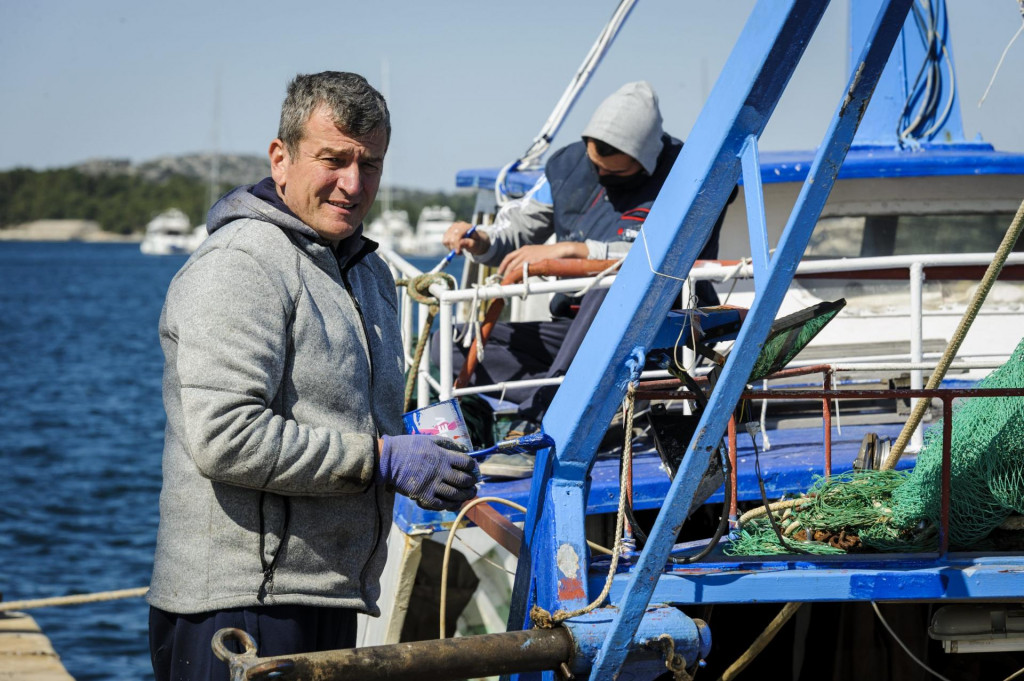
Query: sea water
(81, 436)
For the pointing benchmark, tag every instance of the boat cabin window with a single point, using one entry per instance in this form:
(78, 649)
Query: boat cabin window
(904, 235)
(880, 235)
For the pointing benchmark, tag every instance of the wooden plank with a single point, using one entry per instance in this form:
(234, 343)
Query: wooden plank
(25, 652)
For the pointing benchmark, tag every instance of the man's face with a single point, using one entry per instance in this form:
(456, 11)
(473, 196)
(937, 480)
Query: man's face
(332, 179)
(615, 165)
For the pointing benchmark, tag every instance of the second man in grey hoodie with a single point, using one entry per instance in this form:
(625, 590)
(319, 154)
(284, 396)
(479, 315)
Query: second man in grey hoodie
(594, 197)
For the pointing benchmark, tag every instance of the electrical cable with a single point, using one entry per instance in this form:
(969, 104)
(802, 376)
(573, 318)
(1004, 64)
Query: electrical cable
(934, 41)
(767, 506)
(904, 646)
(723, 523)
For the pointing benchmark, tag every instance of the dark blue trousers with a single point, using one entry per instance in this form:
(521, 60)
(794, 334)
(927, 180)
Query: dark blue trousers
(180, 644)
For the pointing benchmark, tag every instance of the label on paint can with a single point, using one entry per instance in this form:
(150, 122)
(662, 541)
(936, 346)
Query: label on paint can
(444, 419)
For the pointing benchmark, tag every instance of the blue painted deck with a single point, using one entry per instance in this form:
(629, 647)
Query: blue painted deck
(874, 577)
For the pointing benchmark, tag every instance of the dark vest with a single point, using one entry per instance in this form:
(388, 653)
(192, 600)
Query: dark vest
(583, 209)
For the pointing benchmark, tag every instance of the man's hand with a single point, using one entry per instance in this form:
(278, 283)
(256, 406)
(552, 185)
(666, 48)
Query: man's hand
(433, 471)
(454, 239)
(532, 254)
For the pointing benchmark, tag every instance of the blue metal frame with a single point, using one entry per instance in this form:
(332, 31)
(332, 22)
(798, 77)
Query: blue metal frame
(680, 221)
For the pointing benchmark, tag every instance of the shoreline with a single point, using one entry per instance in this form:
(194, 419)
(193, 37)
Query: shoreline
(65, 230)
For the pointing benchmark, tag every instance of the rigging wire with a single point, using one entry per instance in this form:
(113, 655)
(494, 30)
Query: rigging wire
(542, 142)
(1003, 57)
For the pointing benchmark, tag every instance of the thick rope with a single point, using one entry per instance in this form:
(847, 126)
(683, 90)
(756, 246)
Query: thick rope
(674, 662)
(759, 511)
(78, 599)
(448, 547)
(761, 642)
(419, 290)
(958, 337)
(452, 534)
(546, 620)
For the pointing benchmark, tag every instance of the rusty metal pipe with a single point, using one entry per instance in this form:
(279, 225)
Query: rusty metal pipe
(947, 465)
(533, 650)
(826, 419)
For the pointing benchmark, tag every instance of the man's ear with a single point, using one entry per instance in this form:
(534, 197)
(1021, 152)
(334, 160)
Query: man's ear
(279, 162)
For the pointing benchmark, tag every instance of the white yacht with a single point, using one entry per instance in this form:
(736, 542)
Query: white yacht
(430, 227)
(170, 233)
(391, 229)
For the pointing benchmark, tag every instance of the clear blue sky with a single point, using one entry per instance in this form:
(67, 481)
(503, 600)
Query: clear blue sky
(470, 83)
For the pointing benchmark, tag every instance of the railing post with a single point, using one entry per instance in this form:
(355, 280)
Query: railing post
(407, 326)
(422, 386)
(733, 475)
(446, 344)
(916, 341)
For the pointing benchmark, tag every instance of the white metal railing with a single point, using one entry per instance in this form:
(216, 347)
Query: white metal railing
(715, 272)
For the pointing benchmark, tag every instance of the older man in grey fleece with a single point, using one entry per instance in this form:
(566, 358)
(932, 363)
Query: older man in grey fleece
(283, 391)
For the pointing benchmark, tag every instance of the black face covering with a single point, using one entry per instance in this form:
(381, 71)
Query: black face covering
(633, 181)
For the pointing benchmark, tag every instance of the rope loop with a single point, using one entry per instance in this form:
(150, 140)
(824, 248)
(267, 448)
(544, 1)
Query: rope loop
(419, 286)
(674, 662)
(419, 290)
(546, 620)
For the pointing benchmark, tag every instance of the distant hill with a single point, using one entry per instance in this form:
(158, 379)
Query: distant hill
(232, 169)
(121, 197)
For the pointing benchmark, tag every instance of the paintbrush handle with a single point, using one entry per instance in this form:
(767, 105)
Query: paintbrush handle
(451, 254)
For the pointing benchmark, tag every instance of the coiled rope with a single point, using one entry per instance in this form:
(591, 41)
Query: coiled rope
(419, 290)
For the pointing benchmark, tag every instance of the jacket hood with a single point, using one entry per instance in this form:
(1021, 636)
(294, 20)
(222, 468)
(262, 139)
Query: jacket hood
(630, 120)
(241, 204)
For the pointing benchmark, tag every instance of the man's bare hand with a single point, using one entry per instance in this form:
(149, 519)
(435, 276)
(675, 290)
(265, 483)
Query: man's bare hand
(532, 254)
(455, 239)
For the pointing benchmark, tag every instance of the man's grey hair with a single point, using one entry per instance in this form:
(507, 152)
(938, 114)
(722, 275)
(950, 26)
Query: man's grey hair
(356, 107)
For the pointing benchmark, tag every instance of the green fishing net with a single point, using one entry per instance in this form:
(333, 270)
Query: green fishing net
(899, 511)
(987, 471)
(850, 511)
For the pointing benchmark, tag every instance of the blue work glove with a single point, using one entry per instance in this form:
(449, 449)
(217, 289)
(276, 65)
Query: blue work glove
(433, 471)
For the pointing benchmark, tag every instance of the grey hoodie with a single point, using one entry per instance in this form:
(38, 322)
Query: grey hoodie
(629, 119)
(282, 366)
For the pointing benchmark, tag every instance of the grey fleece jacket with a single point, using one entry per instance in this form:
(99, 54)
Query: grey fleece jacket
(282, 366)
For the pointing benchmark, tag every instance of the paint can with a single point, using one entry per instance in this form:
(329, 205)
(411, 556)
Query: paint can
(444, 419)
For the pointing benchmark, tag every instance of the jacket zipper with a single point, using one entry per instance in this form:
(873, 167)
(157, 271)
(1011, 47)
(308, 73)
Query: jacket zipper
(343, 272)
